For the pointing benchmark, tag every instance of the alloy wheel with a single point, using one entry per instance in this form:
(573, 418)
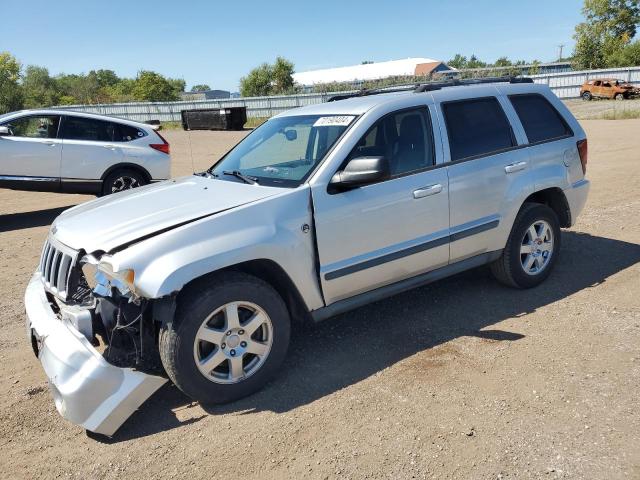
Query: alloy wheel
(536, 248)
(233, 342)
(124, 182)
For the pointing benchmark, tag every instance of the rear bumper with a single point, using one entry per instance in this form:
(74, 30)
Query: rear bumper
(577, 197)
(87, 390)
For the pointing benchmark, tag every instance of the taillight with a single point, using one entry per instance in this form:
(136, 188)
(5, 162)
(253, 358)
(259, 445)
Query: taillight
(583, 151)
(161, 147)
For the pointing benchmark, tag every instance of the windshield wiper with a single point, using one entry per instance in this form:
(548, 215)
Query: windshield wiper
(245, 178)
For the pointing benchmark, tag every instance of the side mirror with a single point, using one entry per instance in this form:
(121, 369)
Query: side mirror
(4, 131)
(361, 171)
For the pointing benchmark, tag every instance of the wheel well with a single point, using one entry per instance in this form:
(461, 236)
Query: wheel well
(274, 275)
(555, 199)
(126, 166)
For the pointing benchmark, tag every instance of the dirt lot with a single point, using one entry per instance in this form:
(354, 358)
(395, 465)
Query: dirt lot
(460, 379)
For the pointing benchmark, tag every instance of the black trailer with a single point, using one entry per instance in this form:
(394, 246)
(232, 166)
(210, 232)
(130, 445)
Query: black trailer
(230, 118)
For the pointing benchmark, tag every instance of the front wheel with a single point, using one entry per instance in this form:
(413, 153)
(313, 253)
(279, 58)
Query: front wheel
(587, 96)
(229, 336)
(532, 248)
(619, 96)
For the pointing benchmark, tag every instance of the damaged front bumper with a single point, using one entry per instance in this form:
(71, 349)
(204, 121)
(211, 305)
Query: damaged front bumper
(87, 390)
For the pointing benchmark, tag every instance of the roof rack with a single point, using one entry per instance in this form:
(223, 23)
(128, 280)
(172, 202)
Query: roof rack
(373, 91)
(454, 82)
(430, 86)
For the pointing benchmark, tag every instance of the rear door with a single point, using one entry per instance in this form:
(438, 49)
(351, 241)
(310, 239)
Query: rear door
(488, 173)
(32, 150)
(388, 231)
(89, 148)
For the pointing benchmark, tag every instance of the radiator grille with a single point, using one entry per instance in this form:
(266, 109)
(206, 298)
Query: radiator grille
(56, 265)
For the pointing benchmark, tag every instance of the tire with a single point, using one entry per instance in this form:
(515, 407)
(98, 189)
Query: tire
(123, 179)
(514, 268)
(587, 96)
(182, 348)
(619, 96)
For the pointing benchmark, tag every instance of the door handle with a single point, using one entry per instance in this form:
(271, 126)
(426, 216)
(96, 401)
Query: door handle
(426, 191)
(110, 147)
(51, 144)
(515, 167)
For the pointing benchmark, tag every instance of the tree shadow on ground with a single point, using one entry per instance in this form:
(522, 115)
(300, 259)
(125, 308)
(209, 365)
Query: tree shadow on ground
(38, 218)
(321, 358)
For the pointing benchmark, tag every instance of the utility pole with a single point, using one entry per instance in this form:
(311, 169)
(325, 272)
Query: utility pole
(560, 47)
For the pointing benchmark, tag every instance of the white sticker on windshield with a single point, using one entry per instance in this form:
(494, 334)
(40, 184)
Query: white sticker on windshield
(334, 121)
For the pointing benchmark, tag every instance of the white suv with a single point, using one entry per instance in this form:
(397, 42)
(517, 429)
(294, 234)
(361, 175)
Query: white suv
(318, 211)
(65, 151)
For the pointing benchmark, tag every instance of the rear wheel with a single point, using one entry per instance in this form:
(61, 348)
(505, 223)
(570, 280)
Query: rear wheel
(619, 96)
(121, 180)
(229, 337)
(532, 248)
(587, 96)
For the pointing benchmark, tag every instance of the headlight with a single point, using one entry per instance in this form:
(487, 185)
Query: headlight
(101, 277)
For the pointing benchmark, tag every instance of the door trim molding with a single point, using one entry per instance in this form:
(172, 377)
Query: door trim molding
(365, 298)
(405, 252)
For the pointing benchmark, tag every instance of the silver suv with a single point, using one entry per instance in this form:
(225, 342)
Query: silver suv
(320, 210)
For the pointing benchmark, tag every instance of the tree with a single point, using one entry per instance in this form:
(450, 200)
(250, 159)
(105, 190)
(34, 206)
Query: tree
(282, 76)
(178, 85)
(152, 87)
(269, 79)
(626, 56)
(10, 91)
(458, 61)
(609, 27)
(79, 89)
(474, 62)
(40, 90)
(105, 78)
(201, 88)
(503, 62)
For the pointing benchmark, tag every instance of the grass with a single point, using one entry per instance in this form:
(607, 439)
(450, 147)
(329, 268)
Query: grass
(619, 115)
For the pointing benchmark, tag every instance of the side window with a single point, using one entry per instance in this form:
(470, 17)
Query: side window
(404, 138)
(541, 121)
(38, 126)
(606, 85)
(79, 128)
(126, 133)
(476, 127)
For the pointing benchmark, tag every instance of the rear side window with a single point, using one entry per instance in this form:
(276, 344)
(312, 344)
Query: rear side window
(541, 121)
(78, 128)
(126, 133)
(476, 127)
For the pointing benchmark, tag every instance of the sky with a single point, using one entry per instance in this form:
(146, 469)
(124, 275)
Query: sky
(217, 42)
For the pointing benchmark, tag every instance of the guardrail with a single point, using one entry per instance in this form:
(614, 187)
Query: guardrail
(564, 85)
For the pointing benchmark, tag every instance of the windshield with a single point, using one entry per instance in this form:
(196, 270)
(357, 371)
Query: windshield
(284, 151)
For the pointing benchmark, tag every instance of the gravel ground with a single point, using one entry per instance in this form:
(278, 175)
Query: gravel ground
(460, 379)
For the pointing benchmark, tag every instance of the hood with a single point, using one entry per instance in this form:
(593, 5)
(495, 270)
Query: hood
(121, 218)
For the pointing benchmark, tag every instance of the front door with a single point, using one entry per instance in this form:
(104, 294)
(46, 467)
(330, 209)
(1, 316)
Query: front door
(378, 234)
(31, 153)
